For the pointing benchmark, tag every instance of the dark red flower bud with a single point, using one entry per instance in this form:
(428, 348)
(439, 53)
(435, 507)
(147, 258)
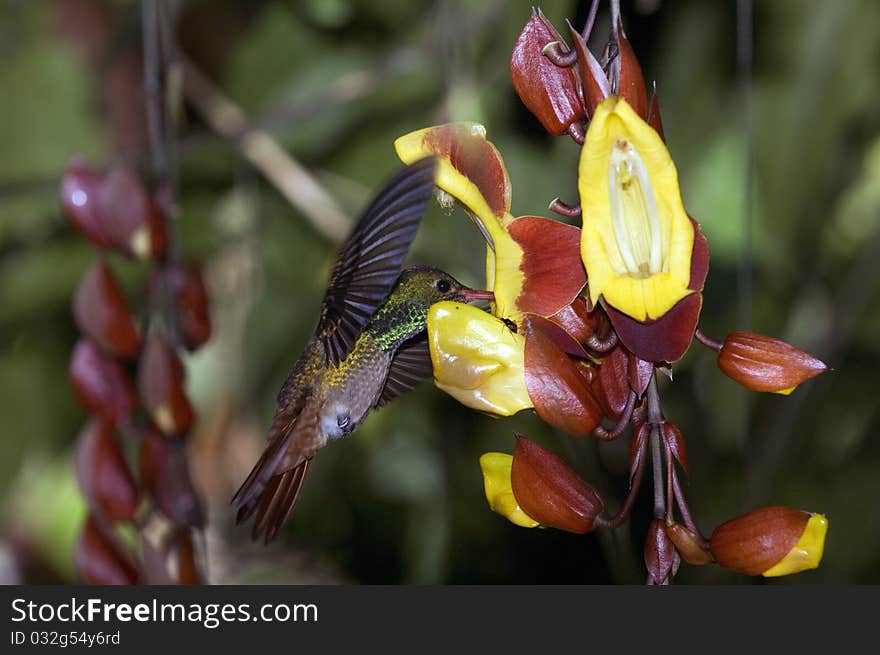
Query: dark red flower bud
(674, 442)
(557, 389)
(659, 553)
(548, 491)
(102, 314)
(688, 545)
(161, 386)
(99, 561)
(80, 201)
(165, 476)
(770, 541)
(611, 384)
(130, 218)
(103, 474)
(550, 92)
(101, 383)
(190, 299)
(766, 364)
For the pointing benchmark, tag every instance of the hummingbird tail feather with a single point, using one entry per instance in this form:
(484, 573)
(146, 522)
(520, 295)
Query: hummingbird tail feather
(273, 486)
(277, 501)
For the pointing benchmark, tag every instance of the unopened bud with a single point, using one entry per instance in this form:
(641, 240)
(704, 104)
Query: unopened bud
(687, 544)
(103, 474)
(659, 553)
(763, 363)
(770, 541)
(161, 386)
(101, 383)
(99, 561)
(550, 492)
(101, 312)
(550, 92)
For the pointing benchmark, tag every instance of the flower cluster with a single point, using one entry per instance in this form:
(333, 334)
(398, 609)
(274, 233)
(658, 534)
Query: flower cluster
(130, 381)
(584, 317)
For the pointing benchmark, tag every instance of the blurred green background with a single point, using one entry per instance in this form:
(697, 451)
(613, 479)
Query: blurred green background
(334, 82)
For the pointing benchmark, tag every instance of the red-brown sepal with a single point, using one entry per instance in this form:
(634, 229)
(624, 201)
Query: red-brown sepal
(556, 387)
(660, 554)
(550, 92)
(549, 491)
(189, 296)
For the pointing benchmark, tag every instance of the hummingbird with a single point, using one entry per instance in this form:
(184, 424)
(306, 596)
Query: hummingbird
(370, 346)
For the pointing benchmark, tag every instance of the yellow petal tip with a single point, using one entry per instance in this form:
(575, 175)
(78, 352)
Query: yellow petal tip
(807, 552)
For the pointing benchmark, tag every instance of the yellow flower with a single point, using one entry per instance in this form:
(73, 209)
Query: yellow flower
(476, 359)
(499, 492)
(637, 239)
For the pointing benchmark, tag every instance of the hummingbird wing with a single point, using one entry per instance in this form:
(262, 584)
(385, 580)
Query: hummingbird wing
(370, 260)
(410, 366)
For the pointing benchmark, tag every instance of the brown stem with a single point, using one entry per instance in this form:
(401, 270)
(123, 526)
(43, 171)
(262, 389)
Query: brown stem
(564, 209)
(622, 422)
(708, 341)
(605, 521)
(655, 418)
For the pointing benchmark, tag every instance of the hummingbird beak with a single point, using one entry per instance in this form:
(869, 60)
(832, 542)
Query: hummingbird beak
(470, 295)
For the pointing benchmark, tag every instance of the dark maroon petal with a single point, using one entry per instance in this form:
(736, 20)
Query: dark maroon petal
(663, 340)
(101, 312)
(101, 383)
(699, 258)
(103, 474)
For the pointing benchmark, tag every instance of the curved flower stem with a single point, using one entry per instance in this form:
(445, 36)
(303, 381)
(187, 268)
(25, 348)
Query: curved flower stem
(564, 209)
(622, 422)
(708, 341)
(591, 20)
(563, 58)
(576, 132)
(605, 521)
(602, 345)
(681, 502)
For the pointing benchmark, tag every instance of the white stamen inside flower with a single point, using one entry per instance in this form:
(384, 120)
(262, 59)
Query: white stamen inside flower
(634, 214)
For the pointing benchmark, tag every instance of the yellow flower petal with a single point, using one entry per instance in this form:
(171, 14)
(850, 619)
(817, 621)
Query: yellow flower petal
(637, 240)
(477, 360)
(470, 168)
(499, 493)
(807, 552)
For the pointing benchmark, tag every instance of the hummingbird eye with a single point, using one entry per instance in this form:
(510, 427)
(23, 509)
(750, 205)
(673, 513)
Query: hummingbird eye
(443, 286)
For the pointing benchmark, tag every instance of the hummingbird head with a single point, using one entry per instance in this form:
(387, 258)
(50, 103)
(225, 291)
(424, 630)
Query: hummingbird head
(424, 285)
